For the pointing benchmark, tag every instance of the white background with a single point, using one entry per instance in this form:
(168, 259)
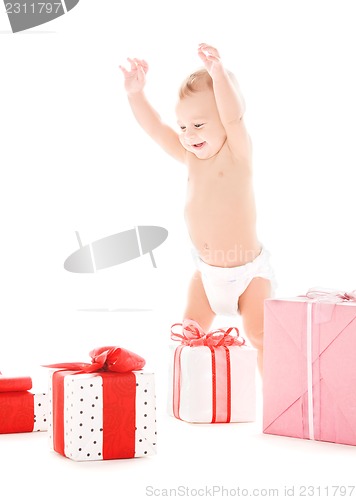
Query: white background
(73, 159)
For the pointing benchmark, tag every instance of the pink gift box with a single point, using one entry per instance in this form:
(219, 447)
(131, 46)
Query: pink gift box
(309, 375)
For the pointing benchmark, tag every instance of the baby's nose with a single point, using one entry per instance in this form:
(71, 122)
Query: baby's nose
(190, 132)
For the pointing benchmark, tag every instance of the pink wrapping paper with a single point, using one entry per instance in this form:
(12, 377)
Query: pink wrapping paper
(310, 370)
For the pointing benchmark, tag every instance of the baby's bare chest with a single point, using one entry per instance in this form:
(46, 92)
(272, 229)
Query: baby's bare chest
(217, 181)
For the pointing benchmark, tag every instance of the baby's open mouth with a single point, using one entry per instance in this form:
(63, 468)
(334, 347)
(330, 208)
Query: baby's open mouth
(197, 146)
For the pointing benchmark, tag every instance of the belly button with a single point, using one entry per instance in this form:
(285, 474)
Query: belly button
(206, 246)
(221, 174)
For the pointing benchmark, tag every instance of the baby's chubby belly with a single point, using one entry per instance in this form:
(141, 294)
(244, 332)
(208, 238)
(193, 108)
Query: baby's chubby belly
(220, 212)
(223, 233)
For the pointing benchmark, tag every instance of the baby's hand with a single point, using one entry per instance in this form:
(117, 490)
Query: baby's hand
(211, 59)
(135, 79)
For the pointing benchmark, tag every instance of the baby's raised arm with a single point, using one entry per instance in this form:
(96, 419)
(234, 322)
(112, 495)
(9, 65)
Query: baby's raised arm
(229, 101)
(145, 114)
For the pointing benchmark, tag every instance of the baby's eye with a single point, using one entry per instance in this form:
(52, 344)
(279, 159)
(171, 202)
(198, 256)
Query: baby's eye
(182, 127)
(198, 125)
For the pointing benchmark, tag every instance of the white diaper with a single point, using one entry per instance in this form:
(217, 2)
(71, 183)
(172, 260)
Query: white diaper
(224, 285)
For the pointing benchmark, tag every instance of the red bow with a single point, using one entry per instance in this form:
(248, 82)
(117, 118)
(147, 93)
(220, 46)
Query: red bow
(193, 335)
(113, 359)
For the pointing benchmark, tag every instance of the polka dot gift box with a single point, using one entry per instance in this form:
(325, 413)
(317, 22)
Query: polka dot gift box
(20, 409)
(103, 410)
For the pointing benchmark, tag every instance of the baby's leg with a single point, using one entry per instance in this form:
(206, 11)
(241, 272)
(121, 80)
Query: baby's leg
(198, 307)
(251, 305)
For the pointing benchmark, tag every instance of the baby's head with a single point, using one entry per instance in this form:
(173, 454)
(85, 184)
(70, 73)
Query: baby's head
(202, 132)
(197, 81)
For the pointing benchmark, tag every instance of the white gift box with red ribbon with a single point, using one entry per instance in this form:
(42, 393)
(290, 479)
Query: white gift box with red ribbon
(212, 376)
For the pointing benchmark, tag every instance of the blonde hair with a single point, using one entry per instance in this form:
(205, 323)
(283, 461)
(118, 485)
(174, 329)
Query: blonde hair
(200, 80)
(195, 82)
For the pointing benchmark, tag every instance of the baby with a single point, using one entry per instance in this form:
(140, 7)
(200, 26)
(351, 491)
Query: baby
(233, 273)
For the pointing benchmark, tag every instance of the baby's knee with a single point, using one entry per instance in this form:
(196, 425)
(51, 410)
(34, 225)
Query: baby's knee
(255, 336)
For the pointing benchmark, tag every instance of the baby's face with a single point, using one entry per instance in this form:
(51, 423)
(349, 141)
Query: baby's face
(202, 132)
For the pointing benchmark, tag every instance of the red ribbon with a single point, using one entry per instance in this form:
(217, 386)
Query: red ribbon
(218, 342)
(10, 384)
(193, 335)
(16, 405)
(113, 359)
(16, 412)
(119, 399)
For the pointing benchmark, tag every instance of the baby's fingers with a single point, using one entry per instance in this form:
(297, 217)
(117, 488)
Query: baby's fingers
(132, 63)
(211, 57)
(209, 51)
(141, 63)
(144, 65)
(206, 46)
(124, 70)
